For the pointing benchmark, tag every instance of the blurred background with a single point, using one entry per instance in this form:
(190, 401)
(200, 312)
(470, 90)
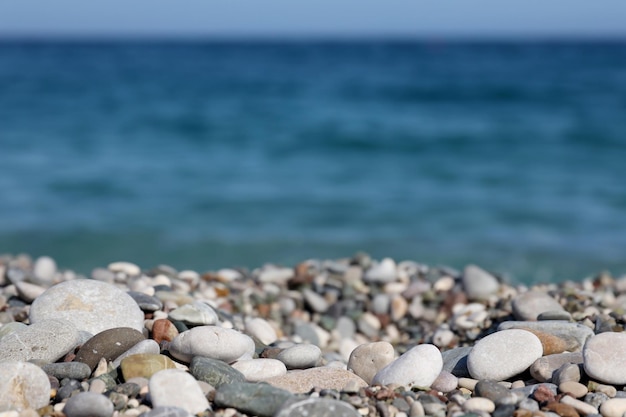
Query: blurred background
(211, 135)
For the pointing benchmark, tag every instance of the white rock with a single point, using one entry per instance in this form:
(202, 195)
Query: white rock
(276, 275)
(479, 404)
(614, 407)
(367, 359)
(503, 354)
(45, 341)
(92, 306)
(529, 305)
(603, 357)
(214, 342)
(262, 330)
(478, 283)
(127, 268)
(300, 356)
(418, 366)
(385, 271)
(29, 292)
(197, 313)
(260, 369)
(23, 385)
(177, 388)
(45, 268)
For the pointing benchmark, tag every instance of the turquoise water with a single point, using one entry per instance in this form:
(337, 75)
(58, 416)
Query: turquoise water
(215, 154)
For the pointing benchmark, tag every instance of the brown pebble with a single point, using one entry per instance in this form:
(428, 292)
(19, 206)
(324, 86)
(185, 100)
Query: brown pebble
(561, 409)
(163, 330)
(551, 344)
(543, 394)
(521, 412)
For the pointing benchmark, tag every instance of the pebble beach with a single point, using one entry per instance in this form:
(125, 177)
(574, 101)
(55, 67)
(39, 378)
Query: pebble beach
(345, 337)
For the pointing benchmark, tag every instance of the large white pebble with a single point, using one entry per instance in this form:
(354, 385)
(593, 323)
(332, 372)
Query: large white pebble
(614, 407)
(23, 385)
(603, 357)
(262, 330)
(503, 354)
(177, 388)
(260, 369)
(92, 306)
(418, 366)
(212, 342)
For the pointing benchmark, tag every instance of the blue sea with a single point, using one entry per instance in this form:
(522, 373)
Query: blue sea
(227, 153)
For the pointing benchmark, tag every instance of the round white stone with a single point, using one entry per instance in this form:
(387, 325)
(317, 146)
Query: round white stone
(262, 330)
(177, 388)
(92, 306)
(418, 366)
(603, 358)
(367, 359)
(503, 354)
(212, 342)
(300, 356)
(614, 407)
(260, 369)
(23, 385)
(45, 268)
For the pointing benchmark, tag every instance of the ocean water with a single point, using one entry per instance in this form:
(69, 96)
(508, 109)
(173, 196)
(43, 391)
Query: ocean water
(236, 153)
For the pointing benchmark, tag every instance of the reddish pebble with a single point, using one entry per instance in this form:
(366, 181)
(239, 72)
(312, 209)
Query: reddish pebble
(163, 330)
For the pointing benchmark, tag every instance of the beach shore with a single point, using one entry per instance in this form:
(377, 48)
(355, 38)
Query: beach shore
(345, 337)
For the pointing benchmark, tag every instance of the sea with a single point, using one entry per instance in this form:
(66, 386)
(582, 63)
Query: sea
(212, 153)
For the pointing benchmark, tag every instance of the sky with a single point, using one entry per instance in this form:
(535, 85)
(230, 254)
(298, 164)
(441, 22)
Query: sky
(317, 18)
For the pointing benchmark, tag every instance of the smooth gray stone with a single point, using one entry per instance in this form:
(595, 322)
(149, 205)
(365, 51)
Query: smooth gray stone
(495, 392)
(214, 372)
(12, 327)
(554, 315)
(566, 372)
(575, 334)
(543, 368)
(146, 302)
(23, 385)
(455, 361)
(46, 341)
(252, 398)
(307, 332)
(528, 305)
(166, 411)
(478, 283)
(88, 404)
(195, 314)
(71, 370)
(317, 407)
(314, 300)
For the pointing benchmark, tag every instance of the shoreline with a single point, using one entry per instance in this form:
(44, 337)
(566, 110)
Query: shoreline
(359, 335)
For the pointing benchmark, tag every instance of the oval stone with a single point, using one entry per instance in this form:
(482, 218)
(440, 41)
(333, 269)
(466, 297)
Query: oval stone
(300, 356)
(212, 342)
(262, 330)
(503, 354)
(88, 404)
(45, 341)
(603, 358)
(317, 407)
(23, 385)
(367, 359)
(177, 388)
(108, 344)
(529, 305)
(144, 365)
(418, 366)
(90, 305)
(255, 370)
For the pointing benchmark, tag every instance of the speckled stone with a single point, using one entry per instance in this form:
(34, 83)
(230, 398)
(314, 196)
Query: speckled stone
(144, 365)
(214, 371)
(88, 404)
(108, 344)
(177, 388)
(317, 407)
(22, 386)
(212, 342)
(603, 358)
(72, 370)
(503, 354)
(252, 398)
(85, 303)
(302, 381)
(367, 359)
(45, 341)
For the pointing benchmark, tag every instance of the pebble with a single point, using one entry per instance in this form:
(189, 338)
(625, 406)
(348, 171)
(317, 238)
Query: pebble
(257, 399)
(146, 302)
(163, 330)
(45, 341)
(29, 292)
(369, 358)
(503, 354)
(177, 388)
(11, 327)
(195, 314)
(575, 389)
(419, 366)
(214, 342)
(315, 301)
(445, 382)
(167, 411)
(44, 269)
(22, 386)
(145, 346)
(84, 303)
(275, 275)
(543, 368)
(529, 305)
(302, 381)
(580, 406)
(455, 361)
(127, 268)
(255, 370)
(261, 330)
(574, 334)
(317, 407)
(88, 404)
(478, 284)
(382, 272)
(144, 365)
(72, 370)
(214, 372)
(479, 404)
(603, 359)
(108, 344)
(495, 392)
(300, 356)
(615, 407)
(567, 372)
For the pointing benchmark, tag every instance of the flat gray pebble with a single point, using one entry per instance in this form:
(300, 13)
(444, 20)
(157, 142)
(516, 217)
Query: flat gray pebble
(88, 404)
(214, 372)
(72, 370)
(166, 411)
(317, 407)
(252, 398)
(45, 341)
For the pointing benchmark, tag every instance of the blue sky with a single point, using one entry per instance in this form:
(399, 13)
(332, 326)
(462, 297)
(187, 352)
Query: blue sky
(283, 18)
